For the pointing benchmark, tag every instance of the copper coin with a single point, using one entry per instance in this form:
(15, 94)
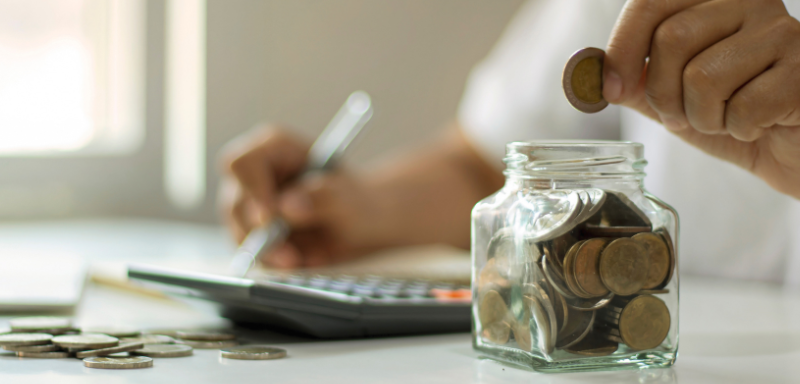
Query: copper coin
(497, 332)
(671, 247)
(593, 345)
(569, 272)
(657, 252)
(583, 80)
(587, 262)
(624, 266)
(644, 322)
(492, 308)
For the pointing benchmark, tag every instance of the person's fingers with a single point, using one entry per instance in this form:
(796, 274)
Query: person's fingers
(715, 74)
(765, 102)
(675, 42)
(233, 208)
(262, 159)
(285, 256)
(629, 44)
(312, 201)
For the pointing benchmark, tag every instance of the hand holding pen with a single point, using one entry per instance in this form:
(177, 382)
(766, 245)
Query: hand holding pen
(275, 181)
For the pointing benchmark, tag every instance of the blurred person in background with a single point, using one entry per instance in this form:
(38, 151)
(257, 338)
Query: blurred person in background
(723, 77)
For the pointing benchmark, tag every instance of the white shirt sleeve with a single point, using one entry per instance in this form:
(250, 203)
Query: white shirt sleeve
(516, 94)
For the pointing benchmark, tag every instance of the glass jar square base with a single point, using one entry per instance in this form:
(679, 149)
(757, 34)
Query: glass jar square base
(618, 361)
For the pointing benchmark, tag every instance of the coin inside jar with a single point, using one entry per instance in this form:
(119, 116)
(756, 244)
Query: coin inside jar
(586, 267)
(623, 266)
(644, 322)
(657, 253)
(497, 332)
(582, 80)
(492, 308)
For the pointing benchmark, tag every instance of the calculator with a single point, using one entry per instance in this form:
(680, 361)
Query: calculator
(325, 306)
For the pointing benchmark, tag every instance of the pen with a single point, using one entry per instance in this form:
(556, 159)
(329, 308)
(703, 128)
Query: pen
(323, 155)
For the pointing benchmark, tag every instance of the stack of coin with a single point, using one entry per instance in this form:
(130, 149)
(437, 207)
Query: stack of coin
(119, 347)
(602, 257)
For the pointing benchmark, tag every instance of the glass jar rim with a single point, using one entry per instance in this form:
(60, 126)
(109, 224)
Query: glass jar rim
(585, 159)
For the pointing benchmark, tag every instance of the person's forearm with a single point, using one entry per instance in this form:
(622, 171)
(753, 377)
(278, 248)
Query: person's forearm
(427, 195)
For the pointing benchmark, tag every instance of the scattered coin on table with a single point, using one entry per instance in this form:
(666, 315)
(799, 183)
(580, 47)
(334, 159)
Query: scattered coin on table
(134, 362)
(14, 339)
(198, 344)
(32, 348)
(164, 350)
(116, 331)
(86, 341)
(44, 355)
(205, 335)
(150, 339)
(253, 352)
(100, 348)
(123, 347)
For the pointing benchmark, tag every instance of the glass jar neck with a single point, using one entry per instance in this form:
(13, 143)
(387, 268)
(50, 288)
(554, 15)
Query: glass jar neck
(566, 164)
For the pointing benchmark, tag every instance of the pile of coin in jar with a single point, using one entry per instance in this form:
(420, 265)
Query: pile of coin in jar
(589, 285)
(46, 337)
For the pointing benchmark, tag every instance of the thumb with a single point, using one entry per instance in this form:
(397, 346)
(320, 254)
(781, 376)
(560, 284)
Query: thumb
(637, 99)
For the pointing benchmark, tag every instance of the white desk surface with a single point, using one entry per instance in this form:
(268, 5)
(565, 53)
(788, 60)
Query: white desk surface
(730, 331)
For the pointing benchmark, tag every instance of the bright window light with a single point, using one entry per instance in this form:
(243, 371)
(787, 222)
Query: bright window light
(71, 76)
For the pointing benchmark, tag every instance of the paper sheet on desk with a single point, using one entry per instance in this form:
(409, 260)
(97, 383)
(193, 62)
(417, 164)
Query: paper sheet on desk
(39, 282)
(438, 262)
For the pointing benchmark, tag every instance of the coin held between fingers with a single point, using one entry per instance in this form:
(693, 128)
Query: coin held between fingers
(582, 80)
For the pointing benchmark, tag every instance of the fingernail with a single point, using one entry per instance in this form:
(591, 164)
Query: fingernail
(612, 87)
(296, 203)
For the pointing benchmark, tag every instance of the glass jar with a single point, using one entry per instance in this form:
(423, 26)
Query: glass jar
(574, 263)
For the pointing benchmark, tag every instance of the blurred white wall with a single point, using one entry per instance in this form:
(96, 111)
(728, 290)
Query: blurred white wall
(286, 61)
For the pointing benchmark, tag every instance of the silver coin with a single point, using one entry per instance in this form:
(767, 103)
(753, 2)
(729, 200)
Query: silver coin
(25, 339)
(164, 350)
(86, 340)
(167, 332)
(205, 335)
(209, 344)
(118, 362)
(44, 355)
(36, 323)
(253, 352)
(560, 207)
(116, 331)
(150, 339)
(54, 331)
(124, 347)
(32, 348)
